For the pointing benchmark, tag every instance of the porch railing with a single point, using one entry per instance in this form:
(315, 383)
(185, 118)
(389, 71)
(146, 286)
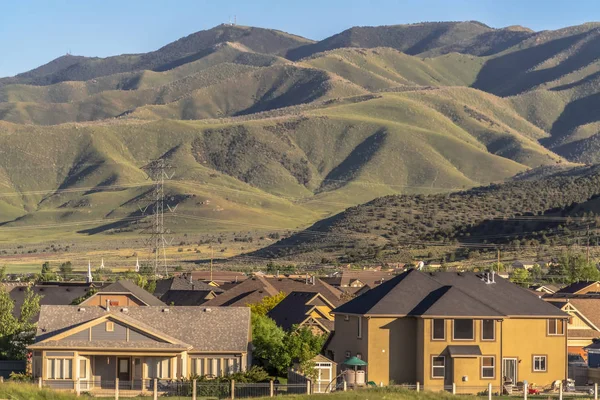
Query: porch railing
(182, 389)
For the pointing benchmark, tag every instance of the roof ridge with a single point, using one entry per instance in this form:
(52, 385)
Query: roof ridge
(467, 294)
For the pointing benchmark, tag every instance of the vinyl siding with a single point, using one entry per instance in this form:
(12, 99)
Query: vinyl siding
(99, 332)
(81, 335)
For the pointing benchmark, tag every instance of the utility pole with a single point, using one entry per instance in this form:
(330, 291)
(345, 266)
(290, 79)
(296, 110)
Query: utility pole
(588, 244)
(212, 254)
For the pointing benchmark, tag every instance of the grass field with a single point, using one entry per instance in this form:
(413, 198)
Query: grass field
(13, 391)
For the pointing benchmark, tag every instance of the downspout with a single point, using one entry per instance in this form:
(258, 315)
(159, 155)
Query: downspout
(502, 356)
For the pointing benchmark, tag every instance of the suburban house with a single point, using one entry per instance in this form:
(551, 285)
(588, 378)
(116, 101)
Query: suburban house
(444, 328)
(579, 288)
(521, 264)
(123, 293)
(353, 282)
(304, 309)
(544, 289)
(97, 345)
(52, 293)
(183, 290)
(583, 325)
(254, 289)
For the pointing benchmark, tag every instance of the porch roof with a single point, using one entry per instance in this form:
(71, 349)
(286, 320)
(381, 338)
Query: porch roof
(108, 344)
(464, 351)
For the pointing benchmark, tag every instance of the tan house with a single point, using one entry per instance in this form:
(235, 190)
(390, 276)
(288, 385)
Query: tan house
(579, 288)
(584, 321)
(122, 293)
(447, 328)
(304, 309)
(96, 345)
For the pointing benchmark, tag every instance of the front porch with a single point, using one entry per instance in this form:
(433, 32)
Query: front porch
(89, 372)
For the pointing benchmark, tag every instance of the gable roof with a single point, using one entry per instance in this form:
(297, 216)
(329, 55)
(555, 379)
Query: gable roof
(294, 309)
(254, 289)
(589, 308)
(224, 329)
(415, 293)
(124, 286)
(181, 283)
(53, 293)
(576, 287)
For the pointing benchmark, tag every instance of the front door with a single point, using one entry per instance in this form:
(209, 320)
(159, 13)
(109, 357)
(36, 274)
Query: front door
(509, 370)
(124, 369)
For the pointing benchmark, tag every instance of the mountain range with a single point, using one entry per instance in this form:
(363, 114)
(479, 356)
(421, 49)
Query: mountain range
(265, 130)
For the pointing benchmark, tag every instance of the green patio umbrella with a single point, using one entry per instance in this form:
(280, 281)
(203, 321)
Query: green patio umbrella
(355, 362)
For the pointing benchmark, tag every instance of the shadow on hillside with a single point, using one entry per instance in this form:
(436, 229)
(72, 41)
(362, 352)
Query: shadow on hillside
(508, 75)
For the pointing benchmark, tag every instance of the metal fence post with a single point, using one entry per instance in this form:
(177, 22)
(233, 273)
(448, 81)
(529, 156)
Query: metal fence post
(489, 391)
(1, 379)
(194, 389)
(40, 382)
(453, 388)
(308, 388)
(345, 384)
(271, 388)
(525, 390)
(78, 387)
(116, 388)
(418, 387)
(155, 389)
(560, 391)
(595, 391)
(232, 389)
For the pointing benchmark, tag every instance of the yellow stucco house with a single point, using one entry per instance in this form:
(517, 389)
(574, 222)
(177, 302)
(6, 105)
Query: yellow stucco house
(446, 328)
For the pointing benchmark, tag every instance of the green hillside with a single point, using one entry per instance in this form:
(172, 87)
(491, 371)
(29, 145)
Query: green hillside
(264, 130)
(556, 207)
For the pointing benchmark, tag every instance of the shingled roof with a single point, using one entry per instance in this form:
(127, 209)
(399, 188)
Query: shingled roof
(295, 308)
(201, 329)
(53, 293)
(576, 287)
(127, 287)
(253, 290)
(415, 293)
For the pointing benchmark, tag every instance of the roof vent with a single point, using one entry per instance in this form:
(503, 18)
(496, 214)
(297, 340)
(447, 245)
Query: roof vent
(124, 309)
(165, 310)
(81, 309)
(207, 310)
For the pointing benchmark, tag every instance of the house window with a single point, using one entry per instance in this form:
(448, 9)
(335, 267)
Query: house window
(83, 369)
(198, 367)
(59, 368)
(232, 365)
(464, 329)
(214, 367)
(110, 326)
(158, 367)
(556, 327)
(539, 363)
(359, 333)
(438, 366)
(488, 331)
(488, 367)
(438, 329)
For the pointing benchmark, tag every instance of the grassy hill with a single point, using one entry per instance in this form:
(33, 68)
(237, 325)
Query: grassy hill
(553, 207)
(268, 131)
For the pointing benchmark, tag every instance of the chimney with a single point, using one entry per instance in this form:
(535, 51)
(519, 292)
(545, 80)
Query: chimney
(107, 305)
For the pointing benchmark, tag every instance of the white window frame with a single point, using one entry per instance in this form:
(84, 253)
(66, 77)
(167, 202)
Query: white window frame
(493, 367)
(454, 329)
(540, 357)
(359, 333)
(433, 338)
(59, 363)
(434, 367)
(493, 330)
(110, 326)
(555, 322)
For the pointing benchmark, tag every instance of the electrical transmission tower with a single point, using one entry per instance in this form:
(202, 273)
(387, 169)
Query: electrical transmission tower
(158, 240)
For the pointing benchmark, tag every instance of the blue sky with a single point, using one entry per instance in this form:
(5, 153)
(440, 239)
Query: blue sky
(33, 32)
